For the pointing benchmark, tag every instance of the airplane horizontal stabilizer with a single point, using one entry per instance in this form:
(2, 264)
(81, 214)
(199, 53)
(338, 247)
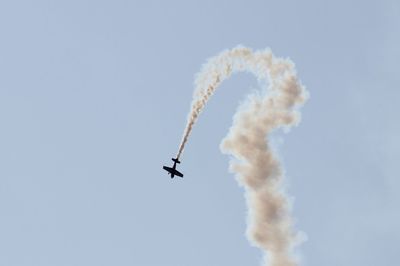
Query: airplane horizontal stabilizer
(176, 160)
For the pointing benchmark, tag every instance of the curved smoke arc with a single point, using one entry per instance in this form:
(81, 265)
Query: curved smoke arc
(256, 167)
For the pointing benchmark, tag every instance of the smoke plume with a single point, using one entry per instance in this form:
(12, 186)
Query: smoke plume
(256, 167)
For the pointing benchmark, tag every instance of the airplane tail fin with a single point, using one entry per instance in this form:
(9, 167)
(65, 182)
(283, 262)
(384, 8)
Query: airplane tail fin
(176, 160)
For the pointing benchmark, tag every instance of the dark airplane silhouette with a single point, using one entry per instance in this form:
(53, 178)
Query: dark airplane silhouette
(172, 171)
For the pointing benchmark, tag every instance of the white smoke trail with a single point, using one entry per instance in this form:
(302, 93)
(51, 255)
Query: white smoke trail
(256, 168)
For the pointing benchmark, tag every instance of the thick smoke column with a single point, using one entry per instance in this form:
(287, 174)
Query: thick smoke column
(255, 165)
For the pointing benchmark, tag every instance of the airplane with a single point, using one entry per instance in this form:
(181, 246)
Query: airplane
(172, 171)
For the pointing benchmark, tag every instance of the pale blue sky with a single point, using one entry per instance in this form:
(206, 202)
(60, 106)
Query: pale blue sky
(93, 100)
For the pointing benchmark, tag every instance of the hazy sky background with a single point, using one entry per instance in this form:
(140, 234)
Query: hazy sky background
(93, 100)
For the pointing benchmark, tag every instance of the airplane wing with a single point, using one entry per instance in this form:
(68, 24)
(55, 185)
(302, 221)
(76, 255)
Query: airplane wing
(169, 169)
(177, 173)
(172, 171)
